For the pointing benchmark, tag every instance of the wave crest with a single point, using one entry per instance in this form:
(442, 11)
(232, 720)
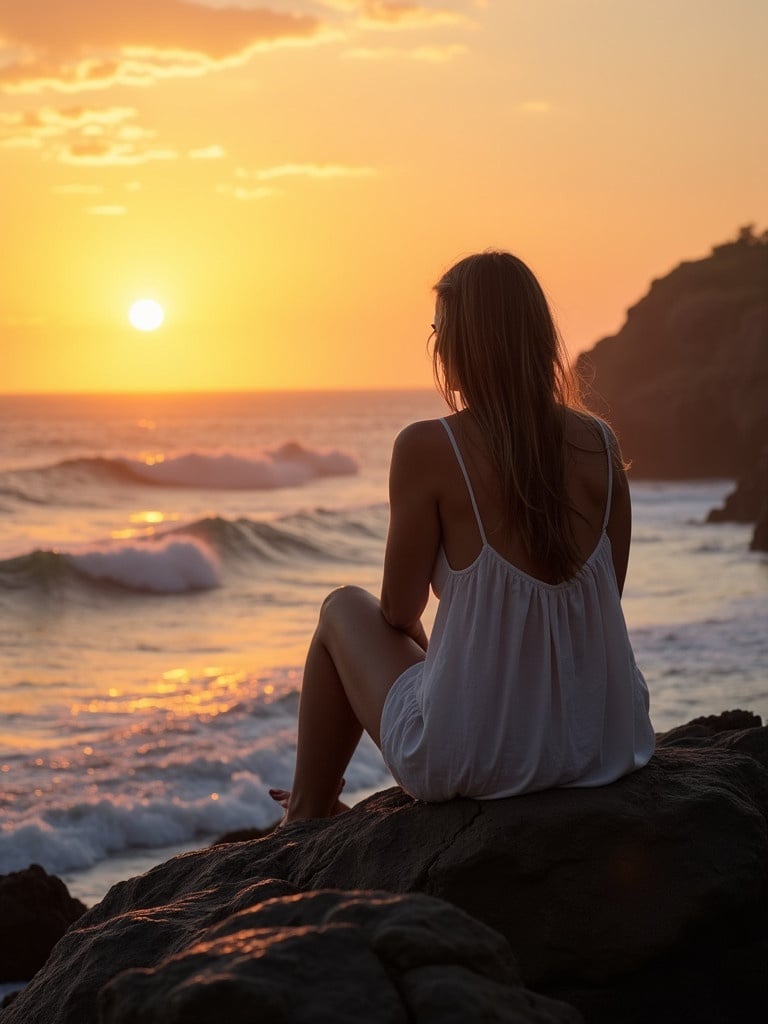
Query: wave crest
(290, 465)
(167, 566)
(189, 557)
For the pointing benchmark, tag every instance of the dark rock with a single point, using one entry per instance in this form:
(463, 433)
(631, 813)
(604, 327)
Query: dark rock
(335, 957)
(267, 952)
(760, 536)
(685, 379)
(725, 727)
(35, 911)
(742, 505)
(643, 900)
(748, 503)
(242, 834)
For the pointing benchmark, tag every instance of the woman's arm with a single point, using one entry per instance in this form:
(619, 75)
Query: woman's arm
(414, 530)
(620, 520)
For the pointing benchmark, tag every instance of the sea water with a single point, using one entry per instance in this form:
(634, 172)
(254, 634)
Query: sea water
(162, 560)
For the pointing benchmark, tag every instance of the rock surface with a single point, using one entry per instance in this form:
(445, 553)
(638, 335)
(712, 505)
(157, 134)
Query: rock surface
(748, 503)
(335, 957)
(760, 536)
(35, 911)
(643, 900)
(685, 379)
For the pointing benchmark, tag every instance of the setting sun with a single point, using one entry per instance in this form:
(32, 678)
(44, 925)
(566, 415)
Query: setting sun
(146, 314)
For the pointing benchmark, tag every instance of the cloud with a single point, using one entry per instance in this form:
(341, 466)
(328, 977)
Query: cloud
(312, 171)
(436, 54)
(34, 127)
(85, 136)
(107, 211)
(207, 153)
(249, 183)
(90, 44)
(110, 153)
(380, 14)
(243, 193)
(396, 14)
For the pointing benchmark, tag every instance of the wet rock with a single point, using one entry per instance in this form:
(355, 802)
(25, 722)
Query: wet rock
(748, 503)
(35, 911)
(335, 957)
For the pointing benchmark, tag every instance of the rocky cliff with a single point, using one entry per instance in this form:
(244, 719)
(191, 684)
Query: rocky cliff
(685, 381)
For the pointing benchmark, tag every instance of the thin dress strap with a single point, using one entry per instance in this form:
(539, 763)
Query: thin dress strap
(607, 438)
(466, 478)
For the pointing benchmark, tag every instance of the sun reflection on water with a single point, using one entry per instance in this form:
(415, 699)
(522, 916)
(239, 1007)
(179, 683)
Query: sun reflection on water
(182, 693)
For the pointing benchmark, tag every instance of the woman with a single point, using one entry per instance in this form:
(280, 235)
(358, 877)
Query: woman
(516, 508)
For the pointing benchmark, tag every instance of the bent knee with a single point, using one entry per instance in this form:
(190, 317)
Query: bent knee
(342, 601)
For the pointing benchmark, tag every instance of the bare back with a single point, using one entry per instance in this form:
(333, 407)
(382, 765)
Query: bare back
(586, 482)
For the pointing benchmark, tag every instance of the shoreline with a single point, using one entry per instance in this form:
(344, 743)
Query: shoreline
(92, 884)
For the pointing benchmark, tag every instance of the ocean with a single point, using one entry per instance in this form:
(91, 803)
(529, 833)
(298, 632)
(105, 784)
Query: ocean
(162, 560)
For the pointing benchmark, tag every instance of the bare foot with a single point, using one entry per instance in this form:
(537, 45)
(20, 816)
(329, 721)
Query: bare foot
(283, 797)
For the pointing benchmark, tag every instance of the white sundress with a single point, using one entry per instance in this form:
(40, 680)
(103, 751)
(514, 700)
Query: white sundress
(526, 685)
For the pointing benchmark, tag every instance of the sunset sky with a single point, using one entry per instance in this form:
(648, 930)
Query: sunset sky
(288, 178)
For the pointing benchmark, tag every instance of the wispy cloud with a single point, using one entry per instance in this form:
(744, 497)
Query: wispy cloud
(110, 154)
(313, 171)
(251, 184)
(33, 127)
(396, 14)
(246, 194)
(107, 211)
(79, 45)
(207, 153)
(88, 136)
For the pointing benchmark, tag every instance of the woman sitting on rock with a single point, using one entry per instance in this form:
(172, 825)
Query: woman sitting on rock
(516, 509)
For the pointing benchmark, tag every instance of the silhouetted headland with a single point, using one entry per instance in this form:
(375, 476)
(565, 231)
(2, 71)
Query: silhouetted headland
(684, 382)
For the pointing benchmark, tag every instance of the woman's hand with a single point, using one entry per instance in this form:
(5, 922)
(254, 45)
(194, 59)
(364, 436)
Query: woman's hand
(418, 634)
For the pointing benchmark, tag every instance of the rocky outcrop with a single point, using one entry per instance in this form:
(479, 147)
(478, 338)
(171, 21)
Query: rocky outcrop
(333, 957)
(748, 503)
(685, 379)
(760, 535)
(35, 911)
(643, 900)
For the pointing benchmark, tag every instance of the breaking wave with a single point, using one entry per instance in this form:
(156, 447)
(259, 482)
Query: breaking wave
(190, 557)
(290, 465)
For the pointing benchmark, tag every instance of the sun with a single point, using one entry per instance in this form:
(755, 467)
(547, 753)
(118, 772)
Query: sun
(146, 314)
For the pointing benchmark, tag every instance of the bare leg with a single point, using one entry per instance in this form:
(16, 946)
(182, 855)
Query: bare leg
(353, 660)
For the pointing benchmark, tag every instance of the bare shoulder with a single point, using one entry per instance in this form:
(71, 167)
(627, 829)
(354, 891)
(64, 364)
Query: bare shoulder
(583, 431)
(419, 457)
(422, 438)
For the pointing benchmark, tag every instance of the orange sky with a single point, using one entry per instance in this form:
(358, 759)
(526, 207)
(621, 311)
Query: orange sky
(289, 177)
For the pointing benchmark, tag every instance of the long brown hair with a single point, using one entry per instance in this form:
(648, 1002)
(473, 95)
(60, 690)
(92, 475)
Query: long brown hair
(497, 346)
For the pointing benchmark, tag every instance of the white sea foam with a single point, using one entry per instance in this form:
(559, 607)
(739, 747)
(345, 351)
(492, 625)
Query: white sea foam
(287, 466)
(161, 783)
(170, 566)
